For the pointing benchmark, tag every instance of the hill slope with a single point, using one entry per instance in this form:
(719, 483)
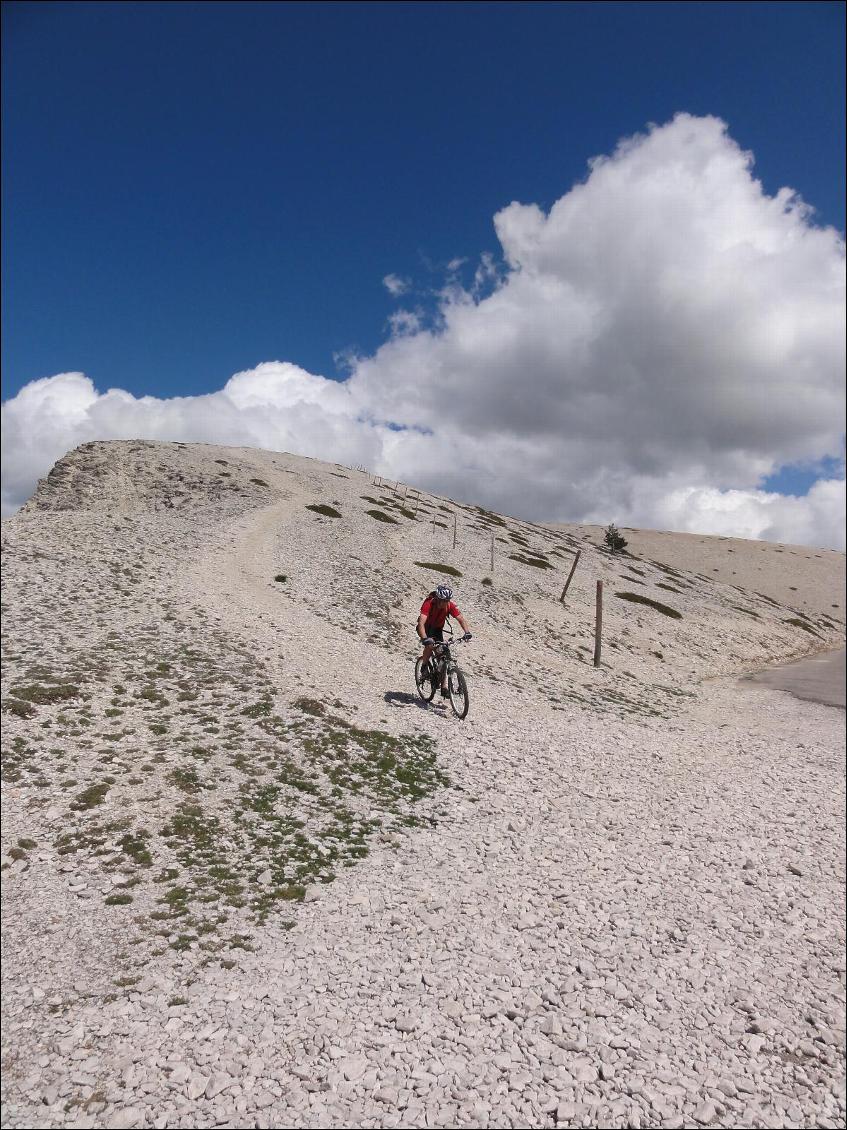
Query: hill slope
(227, 812)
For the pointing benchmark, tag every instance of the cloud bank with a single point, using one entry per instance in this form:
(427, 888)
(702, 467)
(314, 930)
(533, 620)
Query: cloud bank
(647, 352)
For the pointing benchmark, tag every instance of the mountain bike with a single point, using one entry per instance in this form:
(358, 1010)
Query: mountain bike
(443, 667)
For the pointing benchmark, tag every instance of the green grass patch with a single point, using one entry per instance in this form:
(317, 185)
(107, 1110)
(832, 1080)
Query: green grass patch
(325, 509)
(381, 516)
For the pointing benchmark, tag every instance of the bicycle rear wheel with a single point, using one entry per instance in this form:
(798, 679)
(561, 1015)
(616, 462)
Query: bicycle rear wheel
(458, 688)
(425, 684)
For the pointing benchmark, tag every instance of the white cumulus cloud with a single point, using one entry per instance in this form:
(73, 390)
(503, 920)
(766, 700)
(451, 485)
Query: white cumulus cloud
(648, 352)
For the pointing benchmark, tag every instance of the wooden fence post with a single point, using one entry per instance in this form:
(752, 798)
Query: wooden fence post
(570, 576)
(598, 624)
(492, 553)
(454, 529)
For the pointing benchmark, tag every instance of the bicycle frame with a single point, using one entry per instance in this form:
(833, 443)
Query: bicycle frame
(442, 657)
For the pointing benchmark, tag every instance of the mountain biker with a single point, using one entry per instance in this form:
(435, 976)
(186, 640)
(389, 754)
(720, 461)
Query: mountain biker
(434, 612)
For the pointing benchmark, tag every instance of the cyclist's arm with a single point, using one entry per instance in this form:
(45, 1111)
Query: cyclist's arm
(421, 626)
(462, 623)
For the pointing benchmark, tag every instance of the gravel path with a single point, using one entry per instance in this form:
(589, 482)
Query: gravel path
(606, 899)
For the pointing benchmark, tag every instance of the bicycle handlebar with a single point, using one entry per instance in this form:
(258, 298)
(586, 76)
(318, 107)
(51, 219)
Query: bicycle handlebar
(445, 643)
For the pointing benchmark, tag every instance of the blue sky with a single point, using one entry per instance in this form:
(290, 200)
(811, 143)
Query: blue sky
(192, 189)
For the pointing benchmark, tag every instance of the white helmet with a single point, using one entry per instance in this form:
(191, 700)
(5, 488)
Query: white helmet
(444, 592)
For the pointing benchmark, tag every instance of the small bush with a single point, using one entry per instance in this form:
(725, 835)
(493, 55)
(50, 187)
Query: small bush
(438, 568)
(806, 627)
(258, 709)
(381, 516)
(537, 562)
(259, 482)
(93, 795)
(487, 581)
(637, 598)
(613, 539)
(281, 577)
(46, 696)
(19, 708)
(488, 516)
(118, 900)
(323, 508)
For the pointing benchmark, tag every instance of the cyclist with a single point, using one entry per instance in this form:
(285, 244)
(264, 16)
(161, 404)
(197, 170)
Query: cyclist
(434, 612)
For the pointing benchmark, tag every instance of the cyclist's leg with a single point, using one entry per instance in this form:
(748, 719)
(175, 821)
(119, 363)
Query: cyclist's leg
(436, 634)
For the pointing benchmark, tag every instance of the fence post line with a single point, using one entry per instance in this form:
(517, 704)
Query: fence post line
(570, 577)
(598, 624)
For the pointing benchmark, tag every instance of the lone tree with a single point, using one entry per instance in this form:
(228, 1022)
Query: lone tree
(613, 539)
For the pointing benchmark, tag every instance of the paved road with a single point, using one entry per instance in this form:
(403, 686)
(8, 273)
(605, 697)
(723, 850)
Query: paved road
(819, 679)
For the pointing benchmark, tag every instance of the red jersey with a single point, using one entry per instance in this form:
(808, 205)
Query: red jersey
(436, 617)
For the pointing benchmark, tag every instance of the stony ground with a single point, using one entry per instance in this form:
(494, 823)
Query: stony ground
(251, 880)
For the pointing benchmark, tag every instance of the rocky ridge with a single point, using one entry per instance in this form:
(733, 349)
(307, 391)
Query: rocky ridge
(252, 880)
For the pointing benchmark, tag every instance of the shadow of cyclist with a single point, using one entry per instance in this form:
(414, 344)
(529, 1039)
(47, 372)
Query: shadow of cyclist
(402, 698)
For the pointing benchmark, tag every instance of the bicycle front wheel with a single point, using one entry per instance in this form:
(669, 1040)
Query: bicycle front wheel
(458, 687)
(426, 686)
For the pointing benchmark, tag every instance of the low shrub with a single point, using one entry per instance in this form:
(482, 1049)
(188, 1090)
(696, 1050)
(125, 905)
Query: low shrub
(448, 569)
(381, 516)
(19, 708)
(323, 508)
(637, 598)
(802, 624)
(537, 562)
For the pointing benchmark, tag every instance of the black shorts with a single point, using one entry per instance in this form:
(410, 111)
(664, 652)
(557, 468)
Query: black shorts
(436, 634)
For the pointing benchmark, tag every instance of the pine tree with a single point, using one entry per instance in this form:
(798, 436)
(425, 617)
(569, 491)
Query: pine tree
(613, 539)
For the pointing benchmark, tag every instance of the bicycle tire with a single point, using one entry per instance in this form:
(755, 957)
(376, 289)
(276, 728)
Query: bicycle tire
(426, 686)
(457, 685)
